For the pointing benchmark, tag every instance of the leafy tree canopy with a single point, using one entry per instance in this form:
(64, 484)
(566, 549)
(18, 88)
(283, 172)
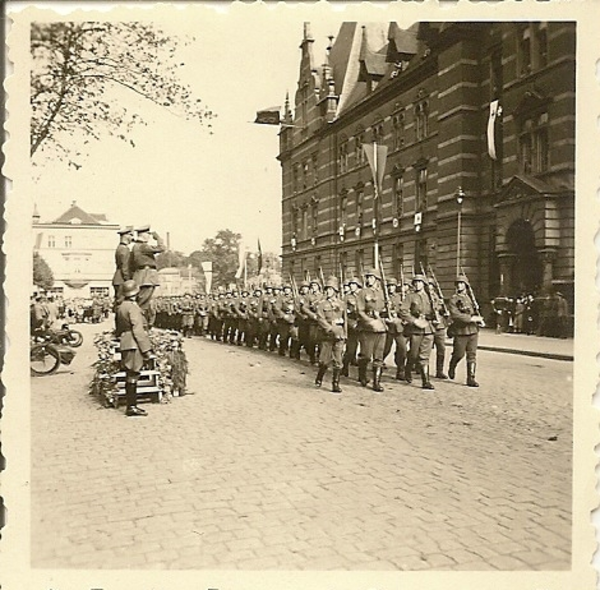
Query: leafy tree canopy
(42, 273)
(77, 64)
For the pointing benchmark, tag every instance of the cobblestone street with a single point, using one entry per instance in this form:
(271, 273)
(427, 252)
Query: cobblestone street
(258, 469)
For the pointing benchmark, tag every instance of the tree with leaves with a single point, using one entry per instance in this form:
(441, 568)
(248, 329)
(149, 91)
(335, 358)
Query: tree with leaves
(76, 67)
(42, 273)
(223, 252)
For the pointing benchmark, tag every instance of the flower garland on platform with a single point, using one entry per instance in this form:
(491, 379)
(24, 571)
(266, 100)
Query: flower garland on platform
(171, 364)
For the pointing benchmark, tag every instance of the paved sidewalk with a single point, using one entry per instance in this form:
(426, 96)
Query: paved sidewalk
(540, 346)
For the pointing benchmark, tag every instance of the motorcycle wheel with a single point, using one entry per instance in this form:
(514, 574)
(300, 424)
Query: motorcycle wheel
(43, 359)
(74, 338)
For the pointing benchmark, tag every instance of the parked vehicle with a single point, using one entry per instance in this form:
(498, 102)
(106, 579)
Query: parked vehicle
(67, 336)
(46, 356)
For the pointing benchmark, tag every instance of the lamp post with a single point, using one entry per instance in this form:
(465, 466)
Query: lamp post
(460, 195)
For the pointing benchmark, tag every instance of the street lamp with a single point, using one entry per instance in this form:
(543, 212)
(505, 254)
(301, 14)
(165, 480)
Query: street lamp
(460, 195)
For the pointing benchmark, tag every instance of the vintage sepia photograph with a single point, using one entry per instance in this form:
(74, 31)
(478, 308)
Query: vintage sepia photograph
(300, 295)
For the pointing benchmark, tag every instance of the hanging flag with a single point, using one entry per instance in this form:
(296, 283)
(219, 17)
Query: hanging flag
(270, 116)
(376, 156)
(260, 258)
(495, 112)
(242, 260)
(208, 275)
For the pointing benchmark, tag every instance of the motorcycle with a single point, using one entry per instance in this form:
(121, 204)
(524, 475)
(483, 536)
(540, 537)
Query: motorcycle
(67, 336)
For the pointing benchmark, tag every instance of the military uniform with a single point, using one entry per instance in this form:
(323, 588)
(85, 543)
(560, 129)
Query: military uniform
(285, 317)
(465, 330)
(352, 318)
(134, 343)
(419, 315)
(370, 304)
(122, 264)
(439, 334)
(331, 318)
(395, 334)
(145, 273)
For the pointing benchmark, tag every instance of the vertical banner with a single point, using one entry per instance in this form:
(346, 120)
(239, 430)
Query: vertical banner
(495, 112)
(242, 260)
(260, 258)
(208, 275)
(377, 157)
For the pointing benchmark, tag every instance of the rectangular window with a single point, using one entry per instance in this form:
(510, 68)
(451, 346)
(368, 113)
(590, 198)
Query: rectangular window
(496, 82)
(360, 153)
(315, 217)
(534, 145)
(420, 255)
(359, 259)
(524, 54)
(542, 45)
(422, 120)
(359, 208)
(296, 179)
(51, 242)
(305, 173)
(344, 209)
(304, 223)
(398, 260)
(68, 242)
(398, 124)
(315, 169)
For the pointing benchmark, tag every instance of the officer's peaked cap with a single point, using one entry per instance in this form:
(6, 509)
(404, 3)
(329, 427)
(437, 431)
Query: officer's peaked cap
(142, 228)
(126, 229)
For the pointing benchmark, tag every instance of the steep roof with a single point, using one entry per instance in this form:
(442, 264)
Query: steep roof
(77, 216)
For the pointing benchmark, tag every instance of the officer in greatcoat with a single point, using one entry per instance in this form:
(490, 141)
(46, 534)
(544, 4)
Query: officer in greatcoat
(143, 265)
(122, 263)
(134, 343)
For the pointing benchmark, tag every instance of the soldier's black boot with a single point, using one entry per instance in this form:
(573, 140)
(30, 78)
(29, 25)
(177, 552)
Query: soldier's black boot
(362, 372)
(377, 372)
(439, 368)
(425, 382)
(131, 399)
(408, 372)
(320, 374)
(345, 365)
(471, 366)
(335, 382)
(452, 368)
(400, 373)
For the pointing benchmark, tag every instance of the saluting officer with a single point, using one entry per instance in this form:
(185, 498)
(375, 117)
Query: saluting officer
(370, 304)
(419, 315)
(465, 329)
(143, 265)
(331, 317)
(135, 345)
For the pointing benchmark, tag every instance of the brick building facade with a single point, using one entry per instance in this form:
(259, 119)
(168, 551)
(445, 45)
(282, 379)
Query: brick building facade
(427, 94)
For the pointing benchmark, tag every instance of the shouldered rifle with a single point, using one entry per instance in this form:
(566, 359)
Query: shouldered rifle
(293, 285)
(401, 282)
(386, 295)
(471, 294)
(439, 293)
(322, 278)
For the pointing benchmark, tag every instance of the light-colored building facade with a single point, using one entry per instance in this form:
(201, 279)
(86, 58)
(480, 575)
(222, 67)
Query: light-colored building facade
(484, 110)
(79, 249)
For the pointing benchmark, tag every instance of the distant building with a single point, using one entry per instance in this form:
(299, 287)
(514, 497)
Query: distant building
(179, 281)
(79, 248)
(485, 110)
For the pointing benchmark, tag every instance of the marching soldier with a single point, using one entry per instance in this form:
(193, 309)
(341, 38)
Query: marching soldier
(145, 274)
(272, 318)
(370, 304)
(331, 318)
(302, 318)
(284, 314)
(466, 322)
(314, 297)
(418, 313)
(354, 285)
(122, 263)
(264, 325)
(439, 334)
(395, 330)
(254, 311)
(134, 344)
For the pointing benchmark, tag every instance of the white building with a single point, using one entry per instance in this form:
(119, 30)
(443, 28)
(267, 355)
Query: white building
(79, 248)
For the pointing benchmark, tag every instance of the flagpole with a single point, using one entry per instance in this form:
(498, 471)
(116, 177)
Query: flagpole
(245, 270)
(376, 196)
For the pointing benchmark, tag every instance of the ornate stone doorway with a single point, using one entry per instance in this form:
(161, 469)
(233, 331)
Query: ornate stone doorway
(525, 267)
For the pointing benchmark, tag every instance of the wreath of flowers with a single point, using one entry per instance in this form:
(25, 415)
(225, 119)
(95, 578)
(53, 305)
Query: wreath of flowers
(171, 364)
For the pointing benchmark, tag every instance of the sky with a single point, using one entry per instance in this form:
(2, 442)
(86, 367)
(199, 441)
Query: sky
(180, 178)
